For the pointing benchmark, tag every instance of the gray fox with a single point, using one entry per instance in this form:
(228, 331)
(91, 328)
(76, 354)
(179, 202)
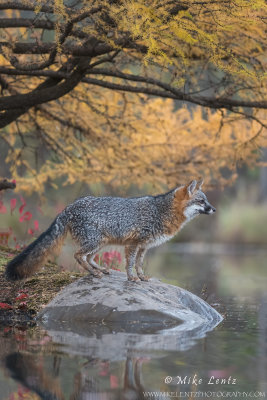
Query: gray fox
(137, 223)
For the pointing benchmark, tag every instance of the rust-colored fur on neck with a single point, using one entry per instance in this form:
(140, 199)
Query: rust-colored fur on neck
(176, 218)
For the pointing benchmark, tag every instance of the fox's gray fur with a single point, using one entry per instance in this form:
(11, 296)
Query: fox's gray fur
(137, 223)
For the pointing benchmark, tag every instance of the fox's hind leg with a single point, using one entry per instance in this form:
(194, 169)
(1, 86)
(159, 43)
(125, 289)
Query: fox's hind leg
(95, 265)
(139, 264)
(81, 257)
(85, 257)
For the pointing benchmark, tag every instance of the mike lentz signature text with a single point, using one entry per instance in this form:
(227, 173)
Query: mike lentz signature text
(195, 380)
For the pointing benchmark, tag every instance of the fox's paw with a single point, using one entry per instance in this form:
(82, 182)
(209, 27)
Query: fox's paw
(105, 271)
(143, 277)
(96, 274)
(133, 279)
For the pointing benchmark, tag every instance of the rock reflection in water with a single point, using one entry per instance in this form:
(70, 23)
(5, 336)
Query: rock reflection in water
(43, 379)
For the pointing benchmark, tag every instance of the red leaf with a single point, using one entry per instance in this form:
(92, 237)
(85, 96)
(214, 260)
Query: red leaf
(36, 225)
(30, 231)
(107, 258)
(111, 257)
(5, 306)
(22, 296)
(13, 203)
(3, 209)
(26, 216)
(21, 208)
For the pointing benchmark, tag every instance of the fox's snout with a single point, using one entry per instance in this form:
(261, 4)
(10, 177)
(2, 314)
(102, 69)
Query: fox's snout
(209, 209)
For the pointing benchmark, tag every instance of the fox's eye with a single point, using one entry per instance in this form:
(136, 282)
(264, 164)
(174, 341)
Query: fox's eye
(202, 202)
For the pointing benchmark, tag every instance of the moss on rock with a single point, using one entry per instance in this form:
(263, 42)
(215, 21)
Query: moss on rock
(21, 300)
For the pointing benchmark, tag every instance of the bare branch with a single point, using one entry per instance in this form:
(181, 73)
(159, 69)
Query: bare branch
(173, 93)
(19, 5)
(168, 92)
(37, 24)
(11, 115)
(26, 23)
(44, 95)
(33, 6)
(91, 48)
(66, 31)
(27, 67)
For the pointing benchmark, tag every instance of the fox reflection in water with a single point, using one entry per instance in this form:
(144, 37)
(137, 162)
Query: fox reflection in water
(33, 373)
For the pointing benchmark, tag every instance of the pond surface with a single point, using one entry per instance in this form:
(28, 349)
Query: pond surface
(229, 362)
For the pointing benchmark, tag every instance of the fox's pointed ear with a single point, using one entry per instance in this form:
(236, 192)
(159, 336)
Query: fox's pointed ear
(191, 187)
(199, 184)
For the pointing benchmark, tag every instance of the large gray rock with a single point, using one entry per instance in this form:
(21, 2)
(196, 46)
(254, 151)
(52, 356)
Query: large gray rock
(106, 317)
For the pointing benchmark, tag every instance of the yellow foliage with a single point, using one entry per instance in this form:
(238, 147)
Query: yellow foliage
(94, 134)
(136, 141)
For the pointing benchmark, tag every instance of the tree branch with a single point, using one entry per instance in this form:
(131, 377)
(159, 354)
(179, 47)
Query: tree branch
(26, 23)
(33, 6)
(44, 95)
(172, 93)
(91, 48)
(66, 31)
(27, 67)
(37, 24)
(19, 5)
(11, 115)
(167, 92)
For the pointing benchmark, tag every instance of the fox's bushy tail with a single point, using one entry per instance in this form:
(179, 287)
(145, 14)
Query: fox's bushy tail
(35, 255)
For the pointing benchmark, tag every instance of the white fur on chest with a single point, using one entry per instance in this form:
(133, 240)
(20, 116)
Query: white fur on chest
(159, 240)
(190, 213)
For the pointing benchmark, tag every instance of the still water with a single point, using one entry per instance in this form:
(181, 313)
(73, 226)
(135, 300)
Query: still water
(229, 362)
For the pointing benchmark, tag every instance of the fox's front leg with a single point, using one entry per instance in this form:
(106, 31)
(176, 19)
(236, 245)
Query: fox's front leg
(130, 255)
(139, 264)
